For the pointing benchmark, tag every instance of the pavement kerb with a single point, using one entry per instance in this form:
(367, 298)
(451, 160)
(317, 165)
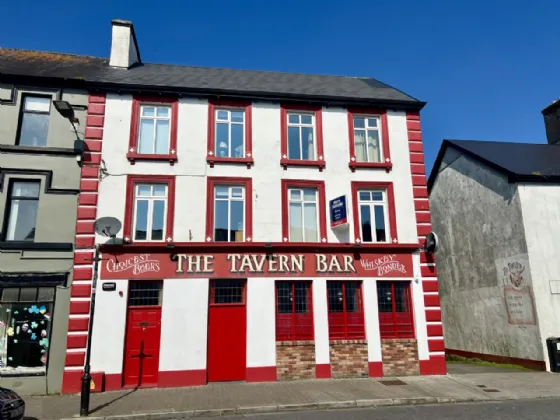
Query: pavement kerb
(327, 405)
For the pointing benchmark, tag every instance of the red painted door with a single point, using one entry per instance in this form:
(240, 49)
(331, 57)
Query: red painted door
(141, 358)
(227, 331)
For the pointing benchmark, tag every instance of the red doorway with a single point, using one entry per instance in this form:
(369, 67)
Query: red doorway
(141, 357)
(227, 331)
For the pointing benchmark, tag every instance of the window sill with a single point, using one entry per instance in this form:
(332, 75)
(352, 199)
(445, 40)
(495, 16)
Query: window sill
(381, 245)
(209, 240)
(133, 157)
(295, 343)
(36, 246)
(154, 244)
(308, 163)
(370, 165)
(362, 341)
(244, 161)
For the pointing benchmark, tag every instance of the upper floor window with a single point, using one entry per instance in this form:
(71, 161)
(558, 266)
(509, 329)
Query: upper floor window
(303, 215)
(294, 311)
(150, 205)
(153, 131)
(346, 316)
(229, 210)
(22, 207)
(369, 139)
(34, 121)
(395, 309)
(229, 132)
(150, 210)
(374, 212)
(155, 126)
(303, 218)
(302, 139)
(373, 215)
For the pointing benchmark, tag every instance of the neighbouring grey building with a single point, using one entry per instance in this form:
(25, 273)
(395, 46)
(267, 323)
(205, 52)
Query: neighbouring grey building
(496, 209)
(40, 157)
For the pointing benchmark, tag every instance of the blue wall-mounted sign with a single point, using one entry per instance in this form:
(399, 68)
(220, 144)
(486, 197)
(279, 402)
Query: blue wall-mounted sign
(338, 211)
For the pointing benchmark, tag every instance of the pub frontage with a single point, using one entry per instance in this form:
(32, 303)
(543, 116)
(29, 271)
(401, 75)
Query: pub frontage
(173, 317)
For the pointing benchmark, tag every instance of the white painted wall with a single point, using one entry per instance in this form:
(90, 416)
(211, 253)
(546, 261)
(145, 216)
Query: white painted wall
(321, 321)
(191, 169)
(540, 206)
(261, 321)
(371, 313)
(109, 327)
(184, 325)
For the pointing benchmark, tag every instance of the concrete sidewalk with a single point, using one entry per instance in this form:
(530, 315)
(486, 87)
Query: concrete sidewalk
(223, 399)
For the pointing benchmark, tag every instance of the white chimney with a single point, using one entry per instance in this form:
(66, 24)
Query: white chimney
(124, 48)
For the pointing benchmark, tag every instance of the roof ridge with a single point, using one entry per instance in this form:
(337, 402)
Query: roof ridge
(51, 52)
(497, 141)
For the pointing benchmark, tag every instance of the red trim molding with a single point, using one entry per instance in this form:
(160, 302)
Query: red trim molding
(260, 374)
(284, 160)
(211, 157)
(133, 154)
(246, 183)
(388, 187)
(322, 210)
(382, 114)
(131, 181)
(526, 363)
(436, 365)
(323, 371)
(177, 378)
(375, 369)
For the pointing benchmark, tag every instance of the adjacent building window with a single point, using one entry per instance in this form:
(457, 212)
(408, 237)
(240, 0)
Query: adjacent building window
(346, 317)
(229, 213)
(230, 133)
(229, 209)
(303, 214)
(367, 144)
(301, 136)
(145, 293)
(22, 206)
(34, 123)
(294, 311)
(373, 215)
(154, 131)
(395, 309)
(25, 328)
(150, 212)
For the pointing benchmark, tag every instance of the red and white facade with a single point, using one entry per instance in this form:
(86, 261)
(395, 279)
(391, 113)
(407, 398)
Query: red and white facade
(187, 309)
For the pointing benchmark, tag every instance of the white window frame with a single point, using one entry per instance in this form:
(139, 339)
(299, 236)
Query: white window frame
(229, 122)
(365, 130)
(155, 118)
(150, 200)
(229, 200)
(26, 110)
(300, 125)
(372, 203)
(302, 201)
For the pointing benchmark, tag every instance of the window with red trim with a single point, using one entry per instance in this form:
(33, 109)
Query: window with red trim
(395, 309)
(303, 211)
(229, 215)
(150, 206)
(346, 314)
(227, 292)
(153, 129)
(294, 311)
(374, 212)
(369, 139)
(229, 132)
(302, 136)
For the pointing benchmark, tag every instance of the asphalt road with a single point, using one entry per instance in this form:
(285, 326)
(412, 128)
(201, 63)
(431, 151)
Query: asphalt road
(546, 409)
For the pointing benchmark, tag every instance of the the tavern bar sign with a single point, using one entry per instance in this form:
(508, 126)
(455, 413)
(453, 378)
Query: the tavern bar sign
(160, 265)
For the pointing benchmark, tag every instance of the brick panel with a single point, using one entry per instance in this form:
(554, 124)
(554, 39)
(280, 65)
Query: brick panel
(90, 172)
(95, 121)
(85, 241)
(94, 159)
(421, 205)
(89, 185)
(96, 109)
(349, 359)
(87, 213)
(295, 360)
(400, 357)
(80, 290)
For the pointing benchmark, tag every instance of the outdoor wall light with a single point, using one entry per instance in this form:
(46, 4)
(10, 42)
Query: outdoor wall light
(65, 109)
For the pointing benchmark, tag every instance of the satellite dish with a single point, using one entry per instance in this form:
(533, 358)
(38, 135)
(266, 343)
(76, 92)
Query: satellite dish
(107, 226)
(432, 243)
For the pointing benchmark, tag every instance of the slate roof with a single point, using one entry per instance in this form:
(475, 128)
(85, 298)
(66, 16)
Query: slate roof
(94, 71)
(520, 162)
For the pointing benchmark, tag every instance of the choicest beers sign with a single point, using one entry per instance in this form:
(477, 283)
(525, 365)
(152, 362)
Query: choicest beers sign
(164, 265)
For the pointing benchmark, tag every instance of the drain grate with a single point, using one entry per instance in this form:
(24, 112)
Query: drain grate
(392, 382)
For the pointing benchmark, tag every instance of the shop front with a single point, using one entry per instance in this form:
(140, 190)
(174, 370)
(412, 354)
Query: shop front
(184, 318)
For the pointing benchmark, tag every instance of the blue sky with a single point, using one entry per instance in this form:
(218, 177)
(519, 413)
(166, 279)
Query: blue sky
(486, 68)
